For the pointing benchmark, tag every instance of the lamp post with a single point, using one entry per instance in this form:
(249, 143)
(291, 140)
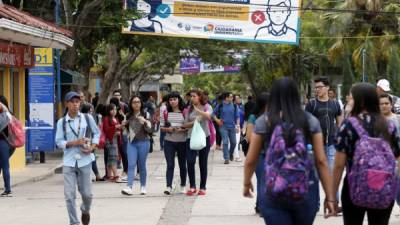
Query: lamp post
(364, 76)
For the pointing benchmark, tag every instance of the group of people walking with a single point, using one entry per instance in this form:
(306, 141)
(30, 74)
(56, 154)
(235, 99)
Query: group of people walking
(292, 149)
(125, 131)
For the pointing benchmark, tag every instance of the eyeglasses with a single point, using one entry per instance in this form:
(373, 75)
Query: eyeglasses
(319, 87)
(117, 95)
(135, 102)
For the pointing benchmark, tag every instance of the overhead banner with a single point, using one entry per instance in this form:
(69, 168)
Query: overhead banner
(41, 102)
(266, 21)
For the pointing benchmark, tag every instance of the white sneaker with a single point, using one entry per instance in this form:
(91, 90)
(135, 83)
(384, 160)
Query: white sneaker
(124, 178)
(168, 191)
(143, 191)
(238, 159)
(183, 190)
(127, 191)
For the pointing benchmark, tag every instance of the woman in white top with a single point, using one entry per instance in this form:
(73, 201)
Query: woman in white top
(171, 122)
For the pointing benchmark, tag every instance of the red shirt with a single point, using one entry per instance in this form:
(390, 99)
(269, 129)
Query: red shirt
(109, 129)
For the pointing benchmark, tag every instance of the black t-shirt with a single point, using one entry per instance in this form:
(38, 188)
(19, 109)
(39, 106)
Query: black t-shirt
(326, 113)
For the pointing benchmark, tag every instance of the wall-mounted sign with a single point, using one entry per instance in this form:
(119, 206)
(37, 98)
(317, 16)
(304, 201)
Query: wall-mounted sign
(13, 55)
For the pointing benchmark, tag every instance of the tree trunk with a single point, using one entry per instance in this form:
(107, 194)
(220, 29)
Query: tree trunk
(117, 68)
(81, 30)
(114, 59)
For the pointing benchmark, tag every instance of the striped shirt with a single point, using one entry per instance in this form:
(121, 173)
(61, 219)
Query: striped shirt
(175, 119)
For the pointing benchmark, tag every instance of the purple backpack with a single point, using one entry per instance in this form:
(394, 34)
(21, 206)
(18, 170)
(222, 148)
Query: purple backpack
(287, 168)
(372, 178)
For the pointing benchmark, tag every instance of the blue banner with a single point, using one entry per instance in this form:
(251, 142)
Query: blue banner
(40, 135)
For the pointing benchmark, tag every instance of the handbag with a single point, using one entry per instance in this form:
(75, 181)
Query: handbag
(244, 143)
(198, 138)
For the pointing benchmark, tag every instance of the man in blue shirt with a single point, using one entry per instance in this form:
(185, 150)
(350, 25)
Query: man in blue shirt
(77, 134)
(227, 117)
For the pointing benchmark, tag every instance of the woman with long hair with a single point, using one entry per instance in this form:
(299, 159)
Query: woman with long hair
(365, 117)
(138, 129)
(201, 111)
(298, 128)
(112, 130)
(259, 109)
(171, 122)
(6, 150)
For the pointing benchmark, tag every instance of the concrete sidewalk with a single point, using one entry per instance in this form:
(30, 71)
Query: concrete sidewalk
(36, 171)
(223, 204)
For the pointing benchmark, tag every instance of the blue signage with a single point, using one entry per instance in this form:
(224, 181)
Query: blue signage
(40, 135)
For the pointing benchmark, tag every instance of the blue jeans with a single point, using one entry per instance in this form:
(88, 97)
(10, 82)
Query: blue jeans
(73, 177)
(330, 152)
(162, 139)
(228, 138)
(170, 150)
(278, 213)
(5, 163)
(260, 180)
(137, 154)
(203, 164)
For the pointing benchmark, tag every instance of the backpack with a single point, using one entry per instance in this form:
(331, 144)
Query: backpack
(213, 133)
(314, 103)
(287, 168)
(372, 179)
(16, 133)
(219, 110)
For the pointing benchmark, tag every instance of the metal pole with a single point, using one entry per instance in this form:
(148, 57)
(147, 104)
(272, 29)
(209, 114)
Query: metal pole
(57, 51)
(364, 76)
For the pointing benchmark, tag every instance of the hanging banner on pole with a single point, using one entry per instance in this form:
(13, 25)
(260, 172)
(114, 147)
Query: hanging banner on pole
(266, 21)
(41, 102)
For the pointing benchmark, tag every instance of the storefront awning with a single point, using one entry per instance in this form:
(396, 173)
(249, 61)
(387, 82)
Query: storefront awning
(69, 77)
(21, 27)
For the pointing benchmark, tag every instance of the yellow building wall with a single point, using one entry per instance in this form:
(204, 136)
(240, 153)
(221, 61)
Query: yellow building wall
(17, 161)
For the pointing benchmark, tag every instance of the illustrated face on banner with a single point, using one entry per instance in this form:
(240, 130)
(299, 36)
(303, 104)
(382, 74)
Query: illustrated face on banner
(144, 8)
(278, 15)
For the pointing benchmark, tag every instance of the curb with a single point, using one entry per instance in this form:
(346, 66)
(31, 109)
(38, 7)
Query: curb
(40, 177)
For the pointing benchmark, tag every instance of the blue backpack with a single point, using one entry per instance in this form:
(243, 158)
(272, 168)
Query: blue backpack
(287, 168)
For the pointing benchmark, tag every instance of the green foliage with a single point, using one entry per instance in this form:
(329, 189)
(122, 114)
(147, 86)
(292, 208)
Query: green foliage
(216, 83)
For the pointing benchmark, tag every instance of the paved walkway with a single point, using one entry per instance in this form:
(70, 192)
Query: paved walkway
(42, 202)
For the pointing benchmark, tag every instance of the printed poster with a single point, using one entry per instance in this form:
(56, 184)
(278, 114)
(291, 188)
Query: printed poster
(40, 132)
(265, 21)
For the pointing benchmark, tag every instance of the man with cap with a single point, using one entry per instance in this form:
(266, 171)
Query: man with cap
(383, 87)
(77, 134)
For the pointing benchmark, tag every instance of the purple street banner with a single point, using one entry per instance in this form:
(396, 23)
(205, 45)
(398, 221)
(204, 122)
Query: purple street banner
(193, 65)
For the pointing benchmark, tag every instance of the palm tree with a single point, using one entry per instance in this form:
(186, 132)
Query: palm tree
(364, 25)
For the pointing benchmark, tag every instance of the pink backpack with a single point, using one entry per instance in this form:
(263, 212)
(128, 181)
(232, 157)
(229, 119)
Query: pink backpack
(372, 179)
(16, 133)
(213, 135)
